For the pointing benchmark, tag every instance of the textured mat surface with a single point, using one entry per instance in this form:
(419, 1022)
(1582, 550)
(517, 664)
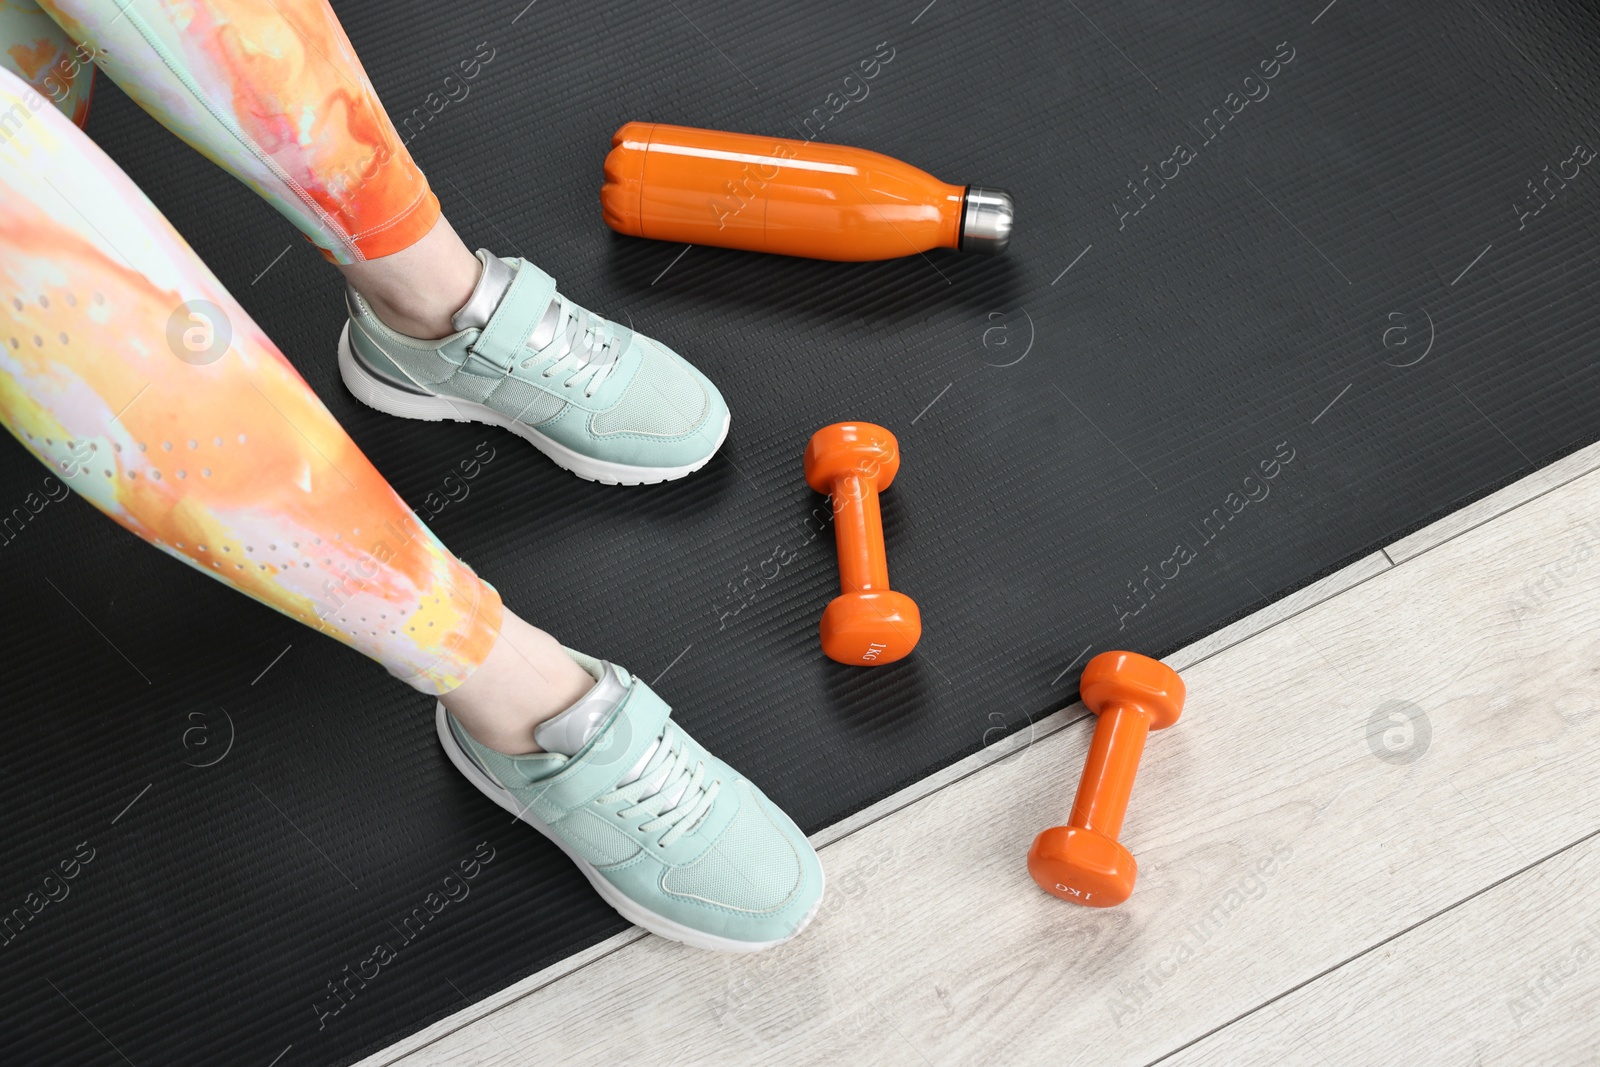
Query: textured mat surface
(1339, 311)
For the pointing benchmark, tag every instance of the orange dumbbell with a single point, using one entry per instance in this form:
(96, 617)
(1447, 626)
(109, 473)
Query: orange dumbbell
(1083, 861)
(868, 623)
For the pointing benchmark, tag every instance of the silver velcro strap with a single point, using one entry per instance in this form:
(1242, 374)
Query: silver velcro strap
(513, 321)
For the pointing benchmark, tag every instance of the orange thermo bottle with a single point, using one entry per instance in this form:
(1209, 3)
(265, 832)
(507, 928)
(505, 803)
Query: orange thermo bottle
(796, 198)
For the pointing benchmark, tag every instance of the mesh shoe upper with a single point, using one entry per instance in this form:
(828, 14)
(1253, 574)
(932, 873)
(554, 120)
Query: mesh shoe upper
(666, 399)
(752, 866)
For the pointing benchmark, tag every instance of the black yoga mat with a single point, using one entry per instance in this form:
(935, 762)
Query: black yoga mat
(1289, 280)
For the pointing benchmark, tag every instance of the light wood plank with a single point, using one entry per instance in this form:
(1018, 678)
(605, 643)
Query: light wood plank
(1511, 976)
(1273, 842)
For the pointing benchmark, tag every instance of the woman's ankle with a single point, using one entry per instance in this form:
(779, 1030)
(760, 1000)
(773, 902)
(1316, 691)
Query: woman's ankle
(416, 291)
(526, 679)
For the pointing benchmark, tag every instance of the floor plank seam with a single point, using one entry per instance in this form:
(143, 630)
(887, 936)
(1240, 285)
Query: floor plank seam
(1447, 909)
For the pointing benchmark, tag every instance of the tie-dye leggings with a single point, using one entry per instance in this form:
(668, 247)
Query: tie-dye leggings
(130, 371)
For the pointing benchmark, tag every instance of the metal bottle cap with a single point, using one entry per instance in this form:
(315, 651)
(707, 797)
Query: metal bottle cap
(986, 220)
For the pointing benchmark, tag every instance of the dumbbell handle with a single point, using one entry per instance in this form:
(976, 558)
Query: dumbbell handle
(858, 531)
(1109, 770)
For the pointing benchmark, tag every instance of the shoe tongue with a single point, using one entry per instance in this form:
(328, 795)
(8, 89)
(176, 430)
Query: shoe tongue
(493, 281)
(572, 729)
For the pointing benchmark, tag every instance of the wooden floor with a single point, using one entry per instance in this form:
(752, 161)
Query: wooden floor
(1374, 838)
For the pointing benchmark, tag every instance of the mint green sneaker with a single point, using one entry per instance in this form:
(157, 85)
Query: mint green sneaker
(604, 402)
(673, 838)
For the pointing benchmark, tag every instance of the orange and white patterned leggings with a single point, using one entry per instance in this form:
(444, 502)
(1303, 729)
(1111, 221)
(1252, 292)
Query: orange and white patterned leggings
(130, 371)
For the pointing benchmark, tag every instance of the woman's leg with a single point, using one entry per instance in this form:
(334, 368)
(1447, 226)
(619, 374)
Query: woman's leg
(272, 91)
(127, 368)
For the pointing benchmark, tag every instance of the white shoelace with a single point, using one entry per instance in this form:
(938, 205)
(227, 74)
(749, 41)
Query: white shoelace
(582, 345)
(671, 789)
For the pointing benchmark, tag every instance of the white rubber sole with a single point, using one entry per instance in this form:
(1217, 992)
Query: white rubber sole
(627, 907)
(376, 393)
